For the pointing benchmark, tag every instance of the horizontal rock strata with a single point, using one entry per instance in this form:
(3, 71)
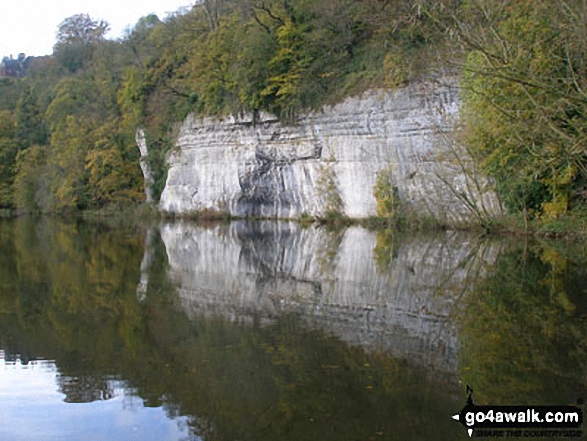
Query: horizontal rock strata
(329, 160)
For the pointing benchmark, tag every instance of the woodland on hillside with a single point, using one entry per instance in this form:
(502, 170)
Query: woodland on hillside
(68, 120)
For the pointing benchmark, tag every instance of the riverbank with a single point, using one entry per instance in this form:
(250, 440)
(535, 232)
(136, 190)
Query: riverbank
(571, 226)
(567, 226)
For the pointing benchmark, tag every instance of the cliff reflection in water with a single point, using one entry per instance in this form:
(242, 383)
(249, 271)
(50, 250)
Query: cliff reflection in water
(400, 303)
(264, 331)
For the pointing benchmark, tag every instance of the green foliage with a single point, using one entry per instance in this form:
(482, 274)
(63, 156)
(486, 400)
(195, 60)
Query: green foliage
(137, 40)
(288, 70)
(250, 71)
(80, 97)
(158, 148)
(110, 165)
(70, 148)
(130, 99)
(72, 56)
(69, 145)
(30, 179)
(525, 107)
(30, 125)
(91, 165)
(386, 196)
(328, 189)
(10, 90)
(8, 152)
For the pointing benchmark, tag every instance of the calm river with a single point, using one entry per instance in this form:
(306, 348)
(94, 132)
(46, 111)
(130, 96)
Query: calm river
(271, 331)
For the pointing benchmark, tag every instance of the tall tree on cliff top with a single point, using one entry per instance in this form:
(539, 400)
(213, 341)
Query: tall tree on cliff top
(81, 29)
(77, 37)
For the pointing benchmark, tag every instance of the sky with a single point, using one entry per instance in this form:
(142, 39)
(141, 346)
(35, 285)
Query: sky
(30, 26)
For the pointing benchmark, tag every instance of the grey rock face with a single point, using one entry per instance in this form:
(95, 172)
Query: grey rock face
(260, 270)
(146, 169)
(328, 160)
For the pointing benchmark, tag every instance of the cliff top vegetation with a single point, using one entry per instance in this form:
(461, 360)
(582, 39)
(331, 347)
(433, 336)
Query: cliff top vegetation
(67, 125)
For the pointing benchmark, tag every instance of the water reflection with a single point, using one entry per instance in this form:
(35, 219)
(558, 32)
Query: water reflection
(265, 331)
(524, 330)
(34, 406)
(400, 303)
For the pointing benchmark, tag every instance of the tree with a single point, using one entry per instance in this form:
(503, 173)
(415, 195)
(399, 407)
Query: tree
(80, 96)
(525, 93)
(111, 166)
(69, 144)
(212, 8)
(77, 37)
(30, 124)
(29, 178)
(138, 39)
(81, 29)
(288, 70)
(8, 152)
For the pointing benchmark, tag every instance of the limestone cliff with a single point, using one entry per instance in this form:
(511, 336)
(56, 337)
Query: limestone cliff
(327, 160)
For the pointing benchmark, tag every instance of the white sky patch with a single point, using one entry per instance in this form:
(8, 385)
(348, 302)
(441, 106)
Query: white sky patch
(30, 26)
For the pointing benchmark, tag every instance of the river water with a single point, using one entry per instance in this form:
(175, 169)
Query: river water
(274, 331)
